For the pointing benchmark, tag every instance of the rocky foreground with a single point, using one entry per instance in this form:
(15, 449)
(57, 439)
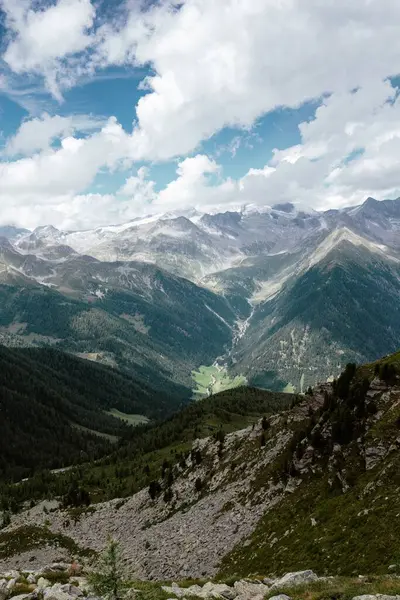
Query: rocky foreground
(67, 582)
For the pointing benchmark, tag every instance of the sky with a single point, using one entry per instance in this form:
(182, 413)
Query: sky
(113, 109)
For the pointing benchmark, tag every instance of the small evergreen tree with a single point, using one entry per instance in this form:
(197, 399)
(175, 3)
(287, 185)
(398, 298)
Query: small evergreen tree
(107, 580)
(154, 489)
(6, 520)
(265, 423)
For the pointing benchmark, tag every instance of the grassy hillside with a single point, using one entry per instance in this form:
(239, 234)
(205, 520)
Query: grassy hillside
(343, 465)
(54, 406)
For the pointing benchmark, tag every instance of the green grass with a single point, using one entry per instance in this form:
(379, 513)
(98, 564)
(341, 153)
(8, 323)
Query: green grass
(148, 590)
(22, 588)
(130, 419)
(355, 532)
(107, 436)
(27, 538)
(342, 588)
(212, 380)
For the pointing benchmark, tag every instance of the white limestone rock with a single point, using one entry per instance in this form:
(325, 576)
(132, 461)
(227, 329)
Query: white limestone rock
(296, 578)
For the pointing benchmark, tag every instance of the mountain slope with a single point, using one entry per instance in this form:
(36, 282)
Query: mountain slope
(342, 514)
(340, 306)
(314, 486)
(143, 451)
(134, 315)
(54, 409)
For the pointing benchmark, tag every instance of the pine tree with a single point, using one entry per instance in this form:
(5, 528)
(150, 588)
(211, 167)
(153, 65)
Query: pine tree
(107, 580)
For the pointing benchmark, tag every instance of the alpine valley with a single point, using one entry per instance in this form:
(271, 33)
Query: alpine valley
(193, 303)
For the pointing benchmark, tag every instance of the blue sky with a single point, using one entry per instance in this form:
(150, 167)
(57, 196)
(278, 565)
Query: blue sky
(107, 114)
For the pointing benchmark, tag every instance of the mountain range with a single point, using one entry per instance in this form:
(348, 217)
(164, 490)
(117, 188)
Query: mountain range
(192, 302)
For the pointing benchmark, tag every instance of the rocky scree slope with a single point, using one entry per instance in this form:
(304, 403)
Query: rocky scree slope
(316, 485)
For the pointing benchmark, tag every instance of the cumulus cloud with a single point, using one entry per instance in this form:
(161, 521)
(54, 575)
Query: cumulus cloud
(214, 63)
(39, 133)
(211, 65)
(41, 38)
(349, 151)
(227, 63)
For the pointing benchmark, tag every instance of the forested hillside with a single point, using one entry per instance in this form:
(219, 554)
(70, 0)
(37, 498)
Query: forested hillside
(147, 451)
(53, 409)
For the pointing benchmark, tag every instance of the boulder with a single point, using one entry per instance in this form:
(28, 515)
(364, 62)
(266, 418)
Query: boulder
(43, 583)
(376, 597)
(11, 574)
(56, 594)
(71, 590)
(296, 578)
(247, 590)
(31, 578)
(280, 597)
(57, 567)
(11, 584)
(218, 590)
(174, 590)
(195, 590)
(3, 589)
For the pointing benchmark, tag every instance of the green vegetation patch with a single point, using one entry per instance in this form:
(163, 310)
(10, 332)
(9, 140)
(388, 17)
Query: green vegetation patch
(342, 588)
(213, 380)
(28, 538)
(130, 419)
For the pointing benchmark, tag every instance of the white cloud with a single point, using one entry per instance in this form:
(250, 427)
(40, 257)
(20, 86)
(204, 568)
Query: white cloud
(348, 152)
(38, 134)
(215, 63)
(42, 37)
(70, 168)
(351, 150)
(140, 190)
(229, 62)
